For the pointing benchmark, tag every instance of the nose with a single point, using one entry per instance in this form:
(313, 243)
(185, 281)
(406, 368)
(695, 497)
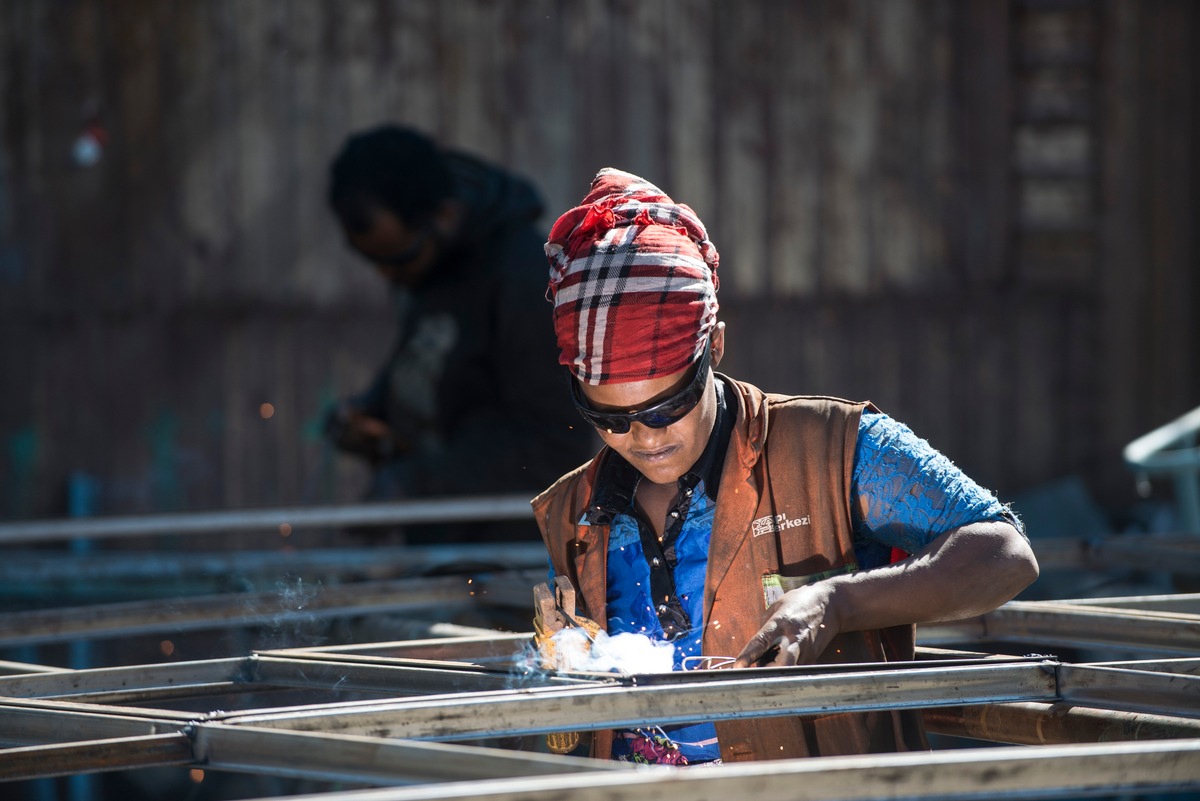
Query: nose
(644, 437)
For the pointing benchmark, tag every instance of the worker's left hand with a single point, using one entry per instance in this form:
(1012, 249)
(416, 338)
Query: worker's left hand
(801, 623)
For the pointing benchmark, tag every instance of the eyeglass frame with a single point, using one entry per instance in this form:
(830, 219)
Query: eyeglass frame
(675, 408)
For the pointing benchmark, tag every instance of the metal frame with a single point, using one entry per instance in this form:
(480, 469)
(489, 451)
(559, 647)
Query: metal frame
(447, 715)
(396, 702)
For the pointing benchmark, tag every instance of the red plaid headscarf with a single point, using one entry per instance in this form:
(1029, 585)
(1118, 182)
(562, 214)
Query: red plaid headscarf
(633, 279)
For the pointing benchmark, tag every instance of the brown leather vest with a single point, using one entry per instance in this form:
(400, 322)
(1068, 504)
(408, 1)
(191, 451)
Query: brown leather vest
(783, 507)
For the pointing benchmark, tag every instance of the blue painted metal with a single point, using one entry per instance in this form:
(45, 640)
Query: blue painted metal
(83, 500)
(1170, 451)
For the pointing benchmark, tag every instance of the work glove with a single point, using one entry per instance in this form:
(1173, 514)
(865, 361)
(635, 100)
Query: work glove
(554, 612)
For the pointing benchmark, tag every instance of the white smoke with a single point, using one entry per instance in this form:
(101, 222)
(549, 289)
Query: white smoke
(625, 653)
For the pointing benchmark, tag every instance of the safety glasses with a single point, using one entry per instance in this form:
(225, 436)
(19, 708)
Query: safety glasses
(660, 415)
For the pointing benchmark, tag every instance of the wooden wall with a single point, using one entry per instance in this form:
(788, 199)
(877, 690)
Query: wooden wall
(980, 215)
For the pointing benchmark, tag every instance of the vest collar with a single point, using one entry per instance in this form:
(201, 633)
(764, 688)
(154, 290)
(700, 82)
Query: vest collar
(748, 403)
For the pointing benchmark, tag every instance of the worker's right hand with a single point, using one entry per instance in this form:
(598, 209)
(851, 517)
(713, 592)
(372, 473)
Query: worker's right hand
(549, 620)
(802, 623)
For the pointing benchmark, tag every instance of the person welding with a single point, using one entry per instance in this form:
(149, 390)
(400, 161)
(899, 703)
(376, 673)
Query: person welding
(468, 401)
(785, 529)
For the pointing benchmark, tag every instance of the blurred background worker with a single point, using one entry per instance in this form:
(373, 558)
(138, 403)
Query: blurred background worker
(469, 399)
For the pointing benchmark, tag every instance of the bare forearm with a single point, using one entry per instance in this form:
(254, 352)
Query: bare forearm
(965, 572)
(962, 573)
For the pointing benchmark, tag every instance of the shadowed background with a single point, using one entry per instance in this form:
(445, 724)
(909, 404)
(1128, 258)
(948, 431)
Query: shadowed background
(979, 215)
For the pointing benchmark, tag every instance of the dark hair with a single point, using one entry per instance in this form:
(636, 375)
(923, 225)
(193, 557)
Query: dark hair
(389, 167)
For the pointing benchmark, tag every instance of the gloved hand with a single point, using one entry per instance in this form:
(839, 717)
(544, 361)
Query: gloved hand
(554, 611)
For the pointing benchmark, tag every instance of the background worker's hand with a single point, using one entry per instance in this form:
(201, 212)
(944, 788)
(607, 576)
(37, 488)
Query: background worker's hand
(801, 623)
(356, 432)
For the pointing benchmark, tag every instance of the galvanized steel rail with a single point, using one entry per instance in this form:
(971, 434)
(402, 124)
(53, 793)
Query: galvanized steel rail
(1157, 453)
(433, 510)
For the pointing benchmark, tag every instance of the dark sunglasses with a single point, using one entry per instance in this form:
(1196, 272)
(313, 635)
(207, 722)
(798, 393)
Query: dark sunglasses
(660, 415)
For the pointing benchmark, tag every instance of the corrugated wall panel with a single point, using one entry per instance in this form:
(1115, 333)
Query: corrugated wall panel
(795, 133)
(852, 160)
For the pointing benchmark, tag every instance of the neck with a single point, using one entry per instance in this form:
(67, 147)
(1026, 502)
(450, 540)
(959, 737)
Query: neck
(653, 500)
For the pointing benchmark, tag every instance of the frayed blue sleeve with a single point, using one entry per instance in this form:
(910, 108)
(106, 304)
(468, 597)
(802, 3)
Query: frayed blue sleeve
(908, 492)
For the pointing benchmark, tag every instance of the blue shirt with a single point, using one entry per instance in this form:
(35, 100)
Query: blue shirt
(911, 494)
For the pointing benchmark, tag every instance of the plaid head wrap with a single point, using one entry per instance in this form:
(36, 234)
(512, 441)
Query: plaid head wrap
(633, 281)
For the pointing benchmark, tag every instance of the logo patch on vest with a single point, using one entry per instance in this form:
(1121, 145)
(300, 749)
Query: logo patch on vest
(773, 524)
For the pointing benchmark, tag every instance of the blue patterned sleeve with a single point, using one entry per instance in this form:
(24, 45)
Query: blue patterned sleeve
(908, 492)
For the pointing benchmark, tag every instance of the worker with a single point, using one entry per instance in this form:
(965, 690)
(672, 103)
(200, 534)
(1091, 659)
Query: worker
(469, 400)
(774, 529)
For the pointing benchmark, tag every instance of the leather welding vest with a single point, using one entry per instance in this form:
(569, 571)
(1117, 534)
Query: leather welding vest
(783, 508)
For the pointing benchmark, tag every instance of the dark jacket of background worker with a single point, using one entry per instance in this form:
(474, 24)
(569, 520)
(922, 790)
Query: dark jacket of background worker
(469, 399)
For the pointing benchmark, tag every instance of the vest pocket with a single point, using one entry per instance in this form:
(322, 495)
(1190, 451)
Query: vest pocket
(775, 585)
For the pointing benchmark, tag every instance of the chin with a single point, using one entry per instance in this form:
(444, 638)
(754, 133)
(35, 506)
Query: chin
(660, 474)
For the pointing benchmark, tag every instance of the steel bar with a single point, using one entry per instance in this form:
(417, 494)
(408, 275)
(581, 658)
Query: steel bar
(995, 774)
(1044, 724)
(40, 567)
(395, 679)
(796, 671)
(1160, 632)
(339, 757)
(34, 723)
(743, 694)
(1134, 690)
(1190, 667)
(1153, 452)
(1179, 603)
(179, 676)
(1044, 624)
(1129, 551)
(1170, 450)
(489, 648)
(45, 761)
(433, 510)
(232, 609)
(451, 676)
(275, 670)
(18, 668)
